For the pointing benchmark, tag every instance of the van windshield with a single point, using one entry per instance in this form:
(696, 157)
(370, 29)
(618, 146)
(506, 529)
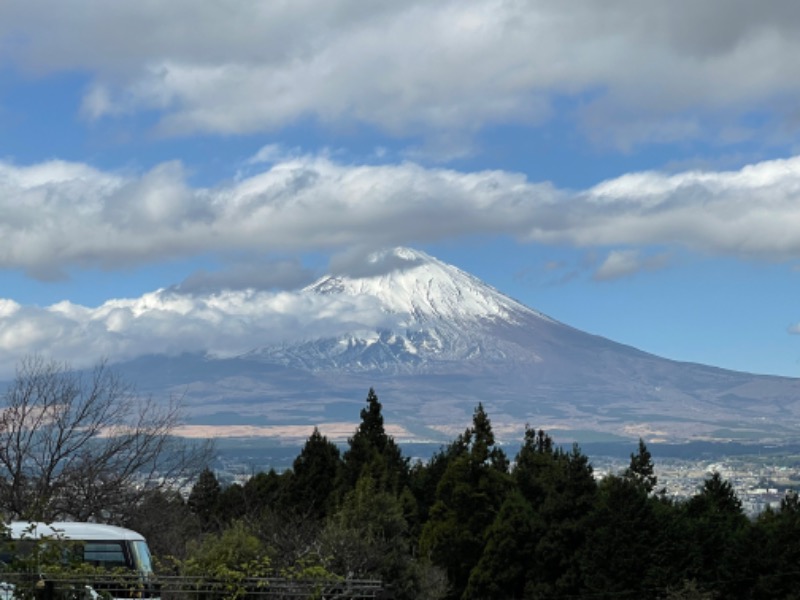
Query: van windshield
(141, 557)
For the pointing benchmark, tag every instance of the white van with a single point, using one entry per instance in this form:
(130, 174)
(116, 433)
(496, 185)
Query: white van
(105, 546)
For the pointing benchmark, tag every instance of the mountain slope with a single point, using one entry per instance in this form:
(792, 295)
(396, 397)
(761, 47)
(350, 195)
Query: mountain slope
(446, 341)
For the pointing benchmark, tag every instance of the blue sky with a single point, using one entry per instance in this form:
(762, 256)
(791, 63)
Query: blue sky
(630, 168)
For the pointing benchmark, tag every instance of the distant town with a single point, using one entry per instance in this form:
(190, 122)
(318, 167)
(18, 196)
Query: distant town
(758, 481)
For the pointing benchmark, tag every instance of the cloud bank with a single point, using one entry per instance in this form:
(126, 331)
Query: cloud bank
(60, 215)
(224, 324)
(642, 71)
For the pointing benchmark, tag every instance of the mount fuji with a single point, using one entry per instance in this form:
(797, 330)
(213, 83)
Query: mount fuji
(434, 341)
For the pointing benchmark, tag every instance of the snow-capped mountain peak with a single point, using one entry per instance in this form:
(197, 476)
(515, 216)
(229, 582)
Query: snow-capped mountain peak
(434, 312)
(411, 282)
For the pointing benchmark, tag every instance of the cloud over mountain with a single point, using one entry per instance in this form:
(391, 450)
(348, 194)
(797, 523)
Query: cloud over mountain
(222, 324)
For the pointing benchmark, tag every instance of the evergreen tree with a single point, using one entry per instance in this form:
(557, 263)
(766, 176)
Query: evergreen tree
(562, 490)
(424, 480)
(718, 530)
(164, 518)
(468, 499)
(673, 562)
(368, 538)
(622, 550)
(775, 551)
(265, 491)
(315, 473)
(716, 497)
(371, 451)
(535, 466)
(204, 500)
(511, 540)
(641, 469)
(232, 504)
(483, 448)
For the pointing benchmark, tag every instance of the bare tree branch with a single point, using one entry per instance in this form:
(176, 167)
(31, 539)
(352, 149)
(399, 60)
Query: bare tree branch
(86, 446)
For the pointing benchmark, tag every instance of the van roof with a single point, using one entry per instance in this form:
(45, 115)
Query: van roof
(70, 530)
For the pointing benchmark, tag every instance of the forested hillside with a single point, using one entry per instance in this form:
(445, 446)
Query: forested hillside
(473, 523)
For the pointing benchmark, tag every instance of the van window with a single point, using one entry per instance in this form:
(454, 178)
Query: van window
(105, 554)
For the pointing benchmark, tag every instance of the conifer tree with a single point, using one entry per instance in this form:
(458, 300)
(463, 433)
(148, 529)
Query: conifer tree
(776, 551)
(641, 469)
(315, 473)
(424, 480)
(232, 504)
(483, 448)
(716, 497)
(204, 500)
(535, 465)
(265, 492)
(165, 520)
(371, 451)
(468, 499)
(367, 537)
(620, 555)
(510, 546)
(561, 490)
(718, 529)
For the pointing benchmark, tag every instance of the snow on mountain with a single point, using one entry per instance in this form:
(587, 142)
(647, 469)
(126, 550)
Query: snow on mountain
(436, 312)
(424, 289)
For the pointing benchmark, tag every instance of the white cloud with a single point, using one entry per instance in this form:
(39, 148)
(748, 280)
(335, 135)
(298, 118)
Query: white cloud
(68, 214)
(654, 71)
(61, 215)
(623, 263)
(750, 213)
(356, 262)
(224, 324)
(618, 264)
(253, 273)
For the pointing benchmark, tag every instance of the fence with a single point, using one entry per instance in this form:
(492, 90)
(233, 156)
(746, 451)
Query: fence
(25, 586)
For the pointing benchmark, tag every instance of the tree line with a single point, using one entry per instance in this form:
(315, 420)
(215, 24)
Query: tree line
(470, 523)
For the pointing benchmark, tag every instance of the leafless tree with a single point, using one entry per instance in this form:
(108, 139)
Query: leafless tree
(85, 446)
